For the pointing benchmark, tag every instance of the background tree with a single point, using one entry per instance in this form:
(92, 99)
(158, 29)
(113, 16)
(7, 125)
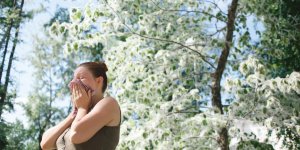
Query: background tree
(52, 74)
(153, 38)
(17, 136)
(10, 36)
(12, 17)
(163, 57)
(278, 45)
(274, 103)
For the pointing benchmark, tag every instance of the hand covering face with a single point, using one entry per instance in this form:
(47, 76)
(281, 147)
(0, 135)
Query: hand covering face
(79, 82)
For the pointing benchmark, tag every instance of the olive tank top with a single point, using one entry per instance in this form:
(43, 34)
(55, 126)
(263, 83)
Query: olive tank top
(107, 138)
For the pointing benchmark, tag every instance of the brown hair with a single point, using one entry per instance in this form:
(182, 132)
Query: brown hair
(97, 69)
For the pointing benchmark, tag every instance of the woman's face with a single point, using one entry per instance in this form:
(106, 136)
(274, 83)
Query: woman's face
(87, 78)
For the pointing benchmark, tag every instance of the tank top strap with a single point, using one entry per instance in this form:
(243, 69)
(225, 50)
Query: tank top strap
(120, 116)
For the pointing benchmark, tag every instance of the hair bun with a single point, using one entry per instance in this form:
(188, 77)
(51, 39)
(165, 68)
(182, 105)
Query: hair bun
(103, 65)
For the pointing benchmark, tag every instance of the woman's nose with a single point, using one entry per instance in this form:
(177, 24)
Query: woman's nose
(72, 82)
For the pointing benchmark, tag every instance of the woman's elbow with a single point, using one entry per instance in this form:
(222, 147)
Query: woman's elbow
(42, 144)
(45, 145)
(75, 138)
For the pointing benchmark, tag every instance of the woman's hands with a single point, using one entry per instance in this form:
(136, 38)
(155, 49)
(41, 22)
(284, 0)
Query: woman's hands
(81, 98)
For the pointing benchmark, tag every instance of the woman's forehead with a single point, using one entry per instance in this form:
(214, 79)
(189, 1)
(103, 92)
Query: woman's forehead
(81, 71)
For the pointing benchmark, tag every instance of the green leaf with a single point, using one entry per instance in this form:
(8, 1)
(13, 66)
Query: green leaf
(204, 122)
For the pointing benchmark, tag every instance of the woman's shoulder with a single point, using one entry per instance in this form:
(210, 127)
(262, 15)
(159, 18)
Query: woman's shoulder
(108, 101)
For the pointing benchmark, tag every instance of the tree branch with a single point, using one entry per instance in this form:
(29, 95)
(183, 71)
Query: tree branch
(218, 30)
(203, 72)
(193, 137)
(178, 43)
(163, 40)
(188, 11)
(214, 3)
(184, 112)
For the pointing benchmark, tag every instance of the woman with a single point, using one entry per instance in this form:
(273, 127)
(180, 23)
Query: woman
(95, 120)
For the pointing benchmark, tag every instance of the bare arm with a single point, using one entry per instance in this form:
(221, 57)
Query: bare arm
(86, 124)
(50, 136)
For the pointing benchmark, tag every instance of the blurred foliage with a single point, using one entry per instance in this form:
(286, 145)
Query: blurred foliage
(252, 144)
(3, 133)
(279, 44)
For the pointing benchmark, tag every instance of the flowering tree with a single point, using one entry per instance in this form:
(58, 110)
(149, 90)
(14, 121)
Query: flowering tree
(165, 68)
(273, 103)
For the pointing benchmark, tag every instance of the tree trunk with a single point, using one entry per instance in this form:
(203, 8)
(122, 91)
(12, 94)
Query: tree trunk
(49, 115)
(217, 75)
(11, 58)
(40, 138)
(6, 39)
(3, 38)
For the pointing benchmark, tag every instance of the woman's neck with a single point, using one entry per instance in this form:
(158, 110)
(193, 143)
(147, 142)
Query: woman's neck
(96, 98)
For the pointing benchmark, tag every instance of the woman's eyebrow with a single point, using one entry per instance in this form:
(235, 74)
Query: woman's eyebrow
(76, 75)
(80, 75)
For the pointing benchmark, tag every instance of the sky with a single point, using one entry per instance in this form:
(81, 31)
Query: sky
(23, 72)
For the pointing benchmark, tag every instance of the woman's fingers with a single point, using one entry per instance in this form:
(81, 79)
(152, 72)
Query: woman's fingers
(80, 89)
(81, 98)
(72, 94)
(89, 94)
(76, 90)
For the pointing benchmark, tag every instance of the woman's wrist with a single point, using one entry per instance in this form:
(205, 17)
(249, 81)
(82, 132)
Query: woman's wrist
(82, 108)
(73, 113)
(80, 114)
(71, 116)
(82, 111)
